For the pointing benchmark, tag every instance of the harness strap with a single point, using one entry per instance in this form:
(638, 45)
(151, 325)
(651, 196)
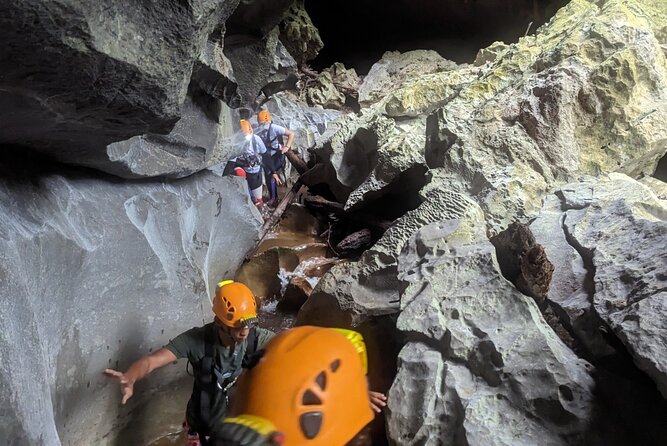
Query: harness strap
(206, 376)
(268, 142)
(213, 381)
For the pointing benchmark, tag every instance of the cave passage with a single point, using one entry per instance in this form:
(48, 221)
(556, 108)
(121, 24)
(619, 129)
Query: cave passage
(358, 32)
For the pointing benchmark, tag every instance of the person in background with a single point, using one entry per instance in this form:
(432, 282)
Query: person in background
(218, 352)
(249, 163)
(308, 386)
(274, 160)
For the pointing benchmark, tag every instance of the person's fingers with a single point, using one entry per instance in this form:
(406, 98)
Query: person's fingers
(111, 372)
(377, 395)
(375, 408)
(126, 396)
(378, 402)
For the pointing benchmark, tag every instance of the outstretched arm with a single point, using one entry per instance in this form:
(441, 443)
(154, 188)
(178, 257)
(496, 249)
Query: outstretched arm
(139, 369)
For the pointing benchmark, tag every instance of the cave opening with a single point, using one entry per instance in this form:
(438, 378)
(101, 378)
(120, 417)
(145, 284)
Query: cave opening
(358, 32)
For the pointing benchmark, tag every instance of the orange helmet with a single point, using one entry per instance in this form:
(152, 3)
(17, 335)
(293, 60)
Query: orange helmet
(234, 304)
(246, 127)
(264, 117)
(309, 387)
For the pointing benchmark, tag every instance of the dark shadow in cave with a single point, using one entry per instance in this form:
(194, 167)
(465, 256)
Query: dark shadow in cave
(358, 32)
(661, 170)
(400, 197)
(359, 158)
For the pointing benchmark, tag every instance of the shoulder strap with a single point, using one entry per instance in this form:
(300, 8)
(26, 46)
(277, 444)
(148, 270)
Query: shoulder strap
(251, 349)
(205, 374)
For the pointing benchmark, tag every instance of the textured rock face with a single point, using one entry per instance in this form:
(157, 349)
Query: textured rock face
(334, 87)
(299, 34)
(309, 123)
(397, 68)
(353, 292)
(620, 227)
(259, 63)
(585, 95)
(199, 139)
(94, 274)
(77, 76)
(463, 378)
(365, 155)
(553, 106)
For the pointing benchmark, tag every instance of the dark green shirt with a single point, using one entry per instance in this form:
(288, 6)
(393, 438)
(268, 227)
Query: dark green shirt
(191, 345)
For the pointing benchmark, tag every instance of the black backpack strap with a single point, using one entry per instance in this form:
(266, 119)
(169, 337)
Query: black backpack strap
(251, 349)
(206, 377)
(268, 142)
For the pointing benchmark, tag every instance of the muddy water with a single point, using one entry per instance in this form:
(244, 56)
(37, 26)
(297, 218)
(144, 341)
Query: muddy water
(293, 250)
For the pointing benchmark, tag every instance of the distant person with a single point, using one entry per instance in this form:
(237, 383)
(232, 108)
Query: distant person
(249, 163)
(218, 352)
(274, 160)
(308, 386)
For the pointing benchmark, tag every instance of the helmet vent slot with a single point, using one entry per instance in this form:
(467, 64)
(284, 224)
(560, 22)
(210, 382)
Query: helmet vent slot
(311, 423)
(310, 399)
(321, 380)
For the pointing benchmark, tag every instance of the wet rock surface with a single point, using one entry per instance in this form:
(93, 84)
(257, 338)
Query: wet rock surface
(92, 270)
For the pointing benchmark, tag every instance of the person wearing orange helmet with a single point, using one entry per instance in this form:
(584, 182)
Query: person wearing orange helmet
(274, 161)
(309, 387)
(218, 352)
(251, 161)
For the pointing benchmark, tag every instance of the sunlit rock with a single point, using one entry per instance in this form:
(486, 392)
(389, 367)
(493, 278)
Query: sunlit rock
(396, 68)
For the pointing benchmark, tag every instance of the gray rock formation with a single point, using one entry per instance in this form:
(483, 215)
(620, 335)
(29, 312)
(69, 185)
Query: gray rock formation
(505, 132)
(77, 76)
(200, 138)
(545, 110)
(299, 34)
(481, 366)
(309, 123)
(353, 292)
(259, 62)
(363, 156)
(396, 68)
(95, 273)
(619, 227)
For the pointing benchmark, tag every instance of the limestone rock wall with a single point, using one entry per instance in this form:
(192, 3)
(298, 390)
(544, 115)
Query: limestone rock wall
(94, 274)
(581, 103)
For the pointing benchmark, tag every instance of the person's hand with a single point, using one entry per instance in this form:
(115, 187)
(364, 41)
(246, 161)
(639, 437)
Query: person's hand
(378, 400)
(277, 178)
(284, 149)
(126, 384)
